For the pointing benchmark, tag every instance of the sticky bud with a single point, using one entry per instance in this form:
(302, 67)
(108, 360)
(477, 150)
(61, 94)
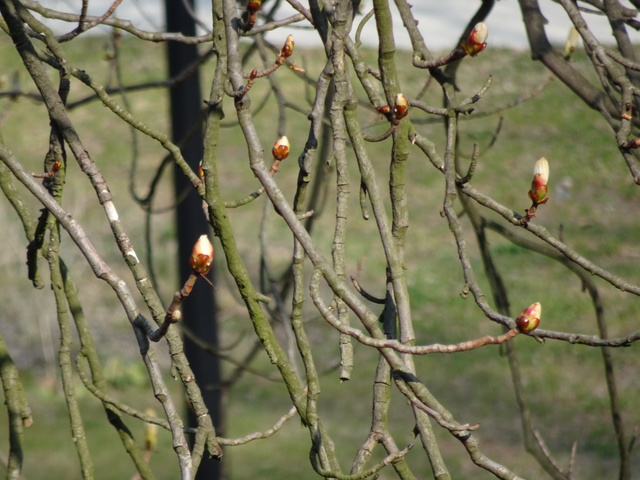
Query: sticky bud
(384, 109)
(635, 143)
(529, 319)
(287, 49)
(280, 149)
(538, 191)
(401, 106)
(200, 171)
(254, 5)
(201, 256)
(477, 40)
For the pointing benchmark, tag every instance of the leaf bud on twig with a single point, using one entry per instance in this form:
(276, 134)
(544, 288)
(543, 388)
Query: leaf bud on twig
(529, 319)
(280, 149)
(201, 256)
(200, 171)
(635, 143)
(401, 106)
(384, 109)
(538, 191)
(477, 40)
(254, 5)
(287, 49)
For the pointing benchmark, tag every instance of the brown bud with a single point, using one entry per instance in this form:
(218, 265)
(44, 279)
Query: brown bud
(401, 107)
(287, 49)
(254, 5)
(280, 149)
(201, 256)
(635, 143)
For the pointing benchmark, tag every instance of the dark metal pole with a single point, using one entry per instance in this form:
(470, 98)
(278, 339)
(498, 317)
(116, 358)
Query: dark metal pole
(198, 309)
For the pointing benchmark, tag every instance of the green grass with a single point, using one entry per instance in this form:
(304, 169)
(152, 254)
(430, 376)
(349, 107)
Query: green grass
(563, 383)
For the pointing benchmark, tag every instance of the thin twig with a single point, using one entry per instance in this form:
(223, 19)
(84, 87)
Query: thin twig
(259, 435)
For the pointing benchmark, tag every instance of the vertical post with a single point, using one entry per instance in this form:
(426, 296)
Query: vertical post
(198, 310)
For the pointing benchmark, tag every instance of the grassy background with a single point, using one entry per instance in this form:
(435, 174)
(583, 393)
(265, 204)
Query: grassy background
(593, 201)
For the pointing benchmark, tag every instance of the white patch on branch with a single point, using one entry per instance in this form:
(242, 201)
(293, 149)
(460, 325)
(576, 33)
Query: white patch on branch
(112, 213)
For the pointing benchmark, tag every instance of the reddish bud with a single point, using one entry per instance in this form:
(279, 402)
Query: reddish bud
(200, 171)
(401, 106)
(384, 109)
(280, 149)
(56, 166)
(529, 319)
(477, 40)
(254, 5)
(635, 143)
(287, 49)
(201, 256)
(538, 191)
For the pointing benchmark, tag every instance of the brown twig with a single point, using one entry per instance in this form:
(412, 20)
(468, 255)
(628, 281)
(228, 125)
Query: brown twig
(259, 435)
(285, 52)
(454, 55)
(364, 293)
(174, 315)
(84, 25)
(363, 338)
(451, 426)
(472, 166)
(382, 137)
(572, 461)
(545, 450)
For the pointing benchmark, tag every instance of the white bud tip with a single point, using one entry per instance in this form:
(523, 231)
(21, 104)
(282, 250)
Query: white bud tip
(542, 167)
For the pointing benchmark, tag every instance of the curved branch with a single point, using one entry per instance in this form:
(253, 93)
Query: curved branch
(102, 271)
